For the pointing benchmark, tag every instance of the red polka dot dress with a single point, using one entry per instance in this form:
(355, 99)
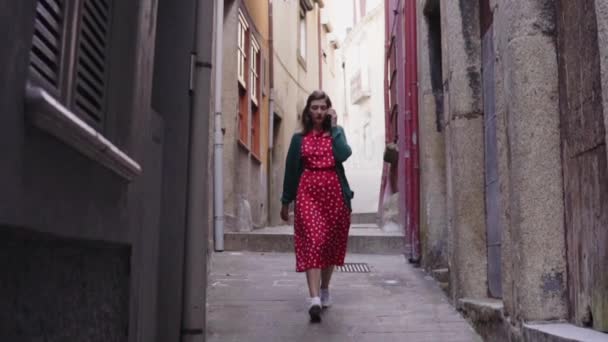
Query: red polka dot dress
(322, 219)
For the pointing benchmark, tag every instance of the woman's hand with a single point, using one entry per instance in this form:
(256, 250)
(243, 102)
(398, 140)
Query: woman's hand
(334, 117)
(285, 212)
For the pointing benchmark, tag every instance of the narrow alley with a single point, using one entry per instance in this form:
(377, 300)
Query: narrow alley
(169, 169)
(256, 297)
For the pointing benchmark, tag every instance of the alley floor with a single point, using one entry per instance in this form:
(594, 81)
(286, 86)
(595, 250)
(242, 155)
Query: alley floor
(258, 297)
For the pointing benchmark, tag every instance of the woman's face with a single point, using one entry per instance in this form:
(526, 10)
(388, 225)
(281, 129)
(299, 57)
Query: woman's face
(318, 111)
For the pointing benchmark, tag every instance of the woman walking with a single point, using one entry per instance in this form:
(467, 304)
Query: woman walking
(315, 179)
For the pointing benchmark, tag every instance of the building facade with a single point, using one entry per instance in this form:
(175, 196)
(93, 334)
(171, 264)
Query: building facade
(511, 124)
(101, 138)
(296, 72)
(245, 97)
(363, 117)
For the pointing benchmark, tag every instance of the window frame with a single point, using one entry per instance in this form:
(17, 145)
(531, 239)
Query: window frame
(254, 70)
(243, 33)
(71, 30)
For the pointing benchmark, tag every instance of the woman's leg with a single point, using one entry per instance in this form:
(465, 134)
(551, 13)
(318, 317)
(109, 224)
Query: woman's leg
(326, 276)
(314, 280)
(313, 276)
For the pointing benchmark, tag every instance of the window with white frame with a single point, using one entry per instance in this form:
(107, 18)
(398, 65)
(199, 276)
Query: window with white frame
(243, 27)
(254, 67)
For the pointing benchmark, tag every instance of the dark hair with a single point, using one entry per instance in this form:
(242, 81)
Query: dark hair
(306, 120)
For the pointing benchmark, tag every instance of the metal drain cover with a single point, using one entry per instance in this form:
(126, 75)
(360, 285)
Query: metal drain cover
(354, 268)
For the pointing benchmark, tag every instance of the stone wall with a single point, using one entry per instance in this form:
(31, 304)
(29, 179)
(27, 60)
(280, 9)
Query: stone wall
(63, 290)
(461, 52)
(433, 227)
(536, 228)
(531, 216)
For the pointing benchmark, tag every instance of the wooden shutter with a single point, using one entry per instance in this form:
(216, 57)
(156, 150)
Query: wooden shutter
(91, 63)
(45, 56)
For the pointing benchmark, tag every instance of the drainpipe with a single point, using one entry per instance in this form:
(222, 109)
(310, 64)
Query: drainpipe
(194, 277)
(411, 86)
(218, 146)
(270, 112)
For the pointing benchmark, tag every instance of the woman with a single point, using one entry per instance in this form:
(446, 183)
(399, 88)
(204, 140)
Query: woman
(315, 179)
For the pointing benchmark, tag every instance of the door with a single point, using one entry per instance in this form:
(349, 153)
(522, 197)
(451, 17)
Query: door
(585, 168)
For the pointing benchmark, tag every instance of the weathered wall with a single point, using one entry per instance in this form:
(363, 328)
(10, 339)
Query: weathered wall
(230, 100)
(500, 27)
(529, 151)
(585, 167)
(433, 227)
(536, 195)
(245, 182)
(601, 13)
(464, 148)
(63, 290)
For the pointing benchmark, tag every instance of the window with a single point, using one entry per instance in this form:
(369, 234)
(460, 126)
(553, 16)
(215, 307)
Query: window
(45, 56)
(91, 63)
(242, 73)
(255, 70)
(69, 58)
(254, 91)
(250, 85)
(243, 33)
(302, 35)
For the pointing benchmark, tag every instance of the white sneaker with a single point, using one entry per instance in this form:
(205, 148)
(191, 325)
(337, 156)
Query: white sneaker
(325, 298)
(314, 309)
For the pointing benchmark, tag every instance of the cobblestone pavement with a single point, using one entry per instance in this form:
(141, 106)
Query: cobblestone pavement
(259, 297)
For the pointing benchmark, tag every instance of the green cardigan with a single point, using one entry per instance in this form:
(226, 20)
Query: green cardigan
(294, 166)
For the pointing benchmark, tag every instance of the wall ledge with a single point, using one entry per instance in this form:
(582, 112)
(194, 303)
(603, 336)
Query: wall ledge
(561, 332)
(47, 114)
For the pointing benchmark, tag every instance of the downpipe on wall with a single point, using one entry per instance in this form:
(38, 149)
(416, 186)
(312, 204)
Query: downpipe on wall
(195, 258)
(218, 136)
(411, 89)
(269, 174)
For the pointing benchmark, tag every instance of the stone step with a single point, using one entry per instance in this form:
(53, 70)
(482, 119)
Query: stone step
(445, 287)
(355, 218)
(442, 275)
(362, 239)
(364, 218)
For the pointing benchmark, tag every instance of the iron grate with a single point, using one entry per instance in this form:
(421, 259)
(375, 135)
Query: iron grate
(350, 267)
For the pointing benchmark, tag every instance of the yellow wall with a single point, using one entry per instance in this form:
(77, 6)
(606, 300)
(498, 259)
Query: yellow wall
(258, 10)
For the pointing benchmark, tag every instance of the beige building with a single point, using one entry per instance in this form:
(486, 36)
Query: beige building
(363, 112)
(332, 81)
(514, 180)
(296, 73)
